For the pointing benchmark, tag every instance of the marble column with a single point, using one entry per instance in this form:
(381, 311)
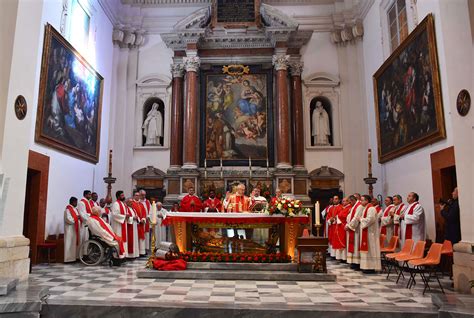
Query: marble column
(191, 65)
(280, 62)
(176, 138)
(297, 113)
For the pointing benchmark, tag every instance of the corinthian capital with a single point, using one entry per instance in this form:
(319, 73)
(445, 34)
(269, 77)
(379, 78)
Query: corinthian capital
(177, 70)
(296, 68)
(280, 61)
(191, 63)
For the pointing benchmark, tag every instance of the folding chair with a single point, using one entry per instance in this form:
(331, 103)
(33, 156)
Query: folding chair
(390, 258)
(427, 265)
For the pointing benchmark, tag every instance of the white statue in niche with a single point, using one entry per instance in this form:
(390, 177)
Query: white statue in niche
(153, 127)
(320, 126)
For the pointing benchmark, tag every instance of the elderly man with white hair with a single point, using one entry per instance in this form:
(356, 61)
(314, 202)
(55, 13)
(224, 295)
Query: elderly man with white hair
(160, 231)
(102, 229)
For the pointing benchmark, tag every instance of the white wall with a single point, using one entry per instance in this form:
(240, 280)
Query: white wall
(68, 176)
(412, 172)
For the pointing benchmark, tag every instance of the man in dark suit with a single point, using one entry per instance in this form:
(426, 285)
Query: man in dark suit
(450, 213)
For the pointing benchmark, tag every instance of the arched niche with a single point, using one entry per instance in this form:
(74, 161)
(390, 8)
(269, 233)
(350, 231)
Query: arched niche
(147, 107)
(322, 87)
(152, 88)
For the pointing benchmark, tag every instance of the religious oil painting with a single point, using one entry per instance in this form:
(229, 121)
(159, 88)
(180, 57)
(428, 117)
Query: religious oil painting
(70, 100)
(237, 118)
(409, 110)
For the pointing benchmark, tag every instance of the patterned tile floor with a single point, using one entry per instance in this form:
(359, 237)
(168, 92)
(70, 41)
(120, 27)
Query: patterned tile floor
(352, 288)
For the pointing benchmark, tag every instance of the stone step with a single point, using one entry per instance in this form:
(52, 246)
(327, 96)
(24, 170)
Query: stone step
(235, 275)
(288, 267)
(7, 285)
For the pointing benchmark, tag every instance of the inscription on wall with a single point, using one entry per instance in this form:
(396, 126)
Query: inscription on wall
(235, 11)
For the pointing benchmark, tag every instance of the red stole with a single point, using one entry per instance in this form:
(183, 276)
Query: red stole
(87, 204)
(352, 233)
(397, 212)
(77, 222)
(130, 231)
(124, 225)
(409, 230)
(340, 233)
(106, 228)
(364, 241)
(140, 211)
(383, 230)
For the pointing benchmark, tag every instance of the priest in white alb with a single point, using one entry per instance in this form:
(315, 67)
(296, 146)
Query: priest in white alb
(147, 205)
(157, 215)
(399, 210)
(352, 228)
(72, 231)
(386, 219)
(133, 248)
(369, 237)
(119, 218)
(102, 229)
(412, 221)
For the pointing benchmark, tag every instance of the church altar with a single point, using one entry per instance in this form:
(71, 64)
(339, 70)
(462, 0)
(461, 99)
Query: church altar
(190, 231)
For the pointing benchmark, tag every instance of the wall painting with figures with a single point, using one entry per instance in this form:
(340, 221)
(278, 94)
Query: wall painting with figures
(236, 121)
(70, 100)
(409, 110)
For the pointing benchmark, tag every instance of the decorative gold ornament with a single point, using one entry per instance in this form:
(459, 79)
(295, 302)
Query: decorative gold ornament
(235, 69)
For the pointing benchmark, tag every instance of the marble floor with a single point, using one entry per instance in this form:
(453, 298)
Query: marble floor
(76, 284)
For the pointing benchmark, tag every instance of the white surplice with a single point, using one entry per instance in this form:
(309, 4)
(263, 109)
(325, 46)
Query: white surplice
(117, 219)
(353, 225)
(98, 230)
(417, 220)
(71, 248)
(399, 210)
(81, 208)
(370, 260)
(160, 230)
(386, 220)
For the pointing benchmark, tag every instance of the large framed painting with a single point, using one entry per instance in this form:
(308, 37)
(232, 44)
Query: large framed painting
(236, 116)
(70, 100)
(408, 103)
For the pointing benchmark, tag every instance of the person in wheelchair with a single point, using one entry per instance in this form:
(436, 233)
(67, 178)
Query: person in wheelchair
(98, 227)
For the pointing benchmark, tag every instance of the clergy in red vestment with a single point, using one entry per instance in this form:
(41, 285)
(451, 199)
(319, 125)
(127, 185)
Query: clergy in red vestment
(212, 204)
(238, 202)
(175, 207)
(132, 231)
(84, 205)
(141, 214)
(339, 242)
(105, 210)
(331, 218)
(191, 203)
(103, 230)
(93, 201)
(399, 210)
(147, 205)
(277, 197)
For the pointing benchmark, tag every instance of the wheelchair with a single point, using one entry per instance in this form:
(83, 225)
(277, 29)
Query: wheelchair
(95, 252)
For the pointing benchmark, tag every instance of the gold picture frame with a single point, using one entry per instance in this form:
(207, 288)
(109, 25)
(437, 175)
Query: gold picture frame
(69, 101)
(407, 92)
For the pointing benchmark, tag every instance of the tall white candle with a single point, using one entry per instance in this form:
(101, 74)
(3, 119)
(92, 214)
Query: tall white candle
(318, 215)
(153, 212)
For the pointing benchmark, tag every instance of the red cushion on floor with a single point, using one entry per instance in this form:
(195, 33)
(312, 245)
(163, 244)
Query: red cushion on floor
(174, 265)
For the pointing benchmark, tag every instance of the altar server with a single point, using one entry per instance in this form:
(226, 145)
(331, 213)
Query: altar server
(133, 250)
(102, 229)
(191, 203)
(141, 221)
(256, 200)
(72, 231)
(339, 242)
(352, 228)
(412, 221)
(369, 237)
(119, 218)
(386, 220)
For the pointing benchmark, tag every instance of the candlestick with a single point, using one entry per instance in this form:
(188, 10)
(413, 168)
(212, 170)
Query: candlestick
(250, 167)
(222, 172)
(318, 214)
(110, 162)
(370, 162)
(205, 168)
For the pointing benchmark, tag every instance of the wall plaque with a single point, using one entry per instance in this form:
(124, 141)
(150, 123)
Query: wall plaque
(236, 13)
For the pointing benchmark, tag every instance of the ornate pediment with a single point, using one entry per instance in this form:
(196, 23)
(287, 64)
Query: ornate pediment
(276, 27)
(325, 173)
(149, 172)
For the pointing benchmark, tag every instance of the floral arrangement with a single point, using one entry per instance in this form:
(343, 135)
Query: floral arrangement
(235, 257)
(287, 207)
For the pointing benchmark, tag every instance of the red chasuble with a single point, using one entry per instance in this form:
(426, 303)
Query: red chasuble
(88, 206)
(191, 203)
(238, 203)
(140, 211)
(383, 229)
(409, 227)
(398, 212)
(77, 222)
(340, 233)
(352, 233)
(106, 228)
(213, 205)
(364, 235)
